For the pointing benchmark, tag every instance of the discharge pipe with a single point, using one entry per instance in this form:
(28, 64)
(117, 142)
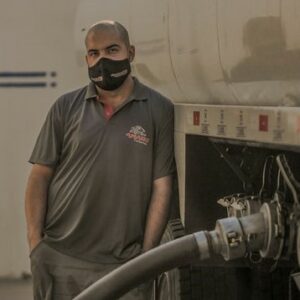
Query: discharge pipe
(232, 238)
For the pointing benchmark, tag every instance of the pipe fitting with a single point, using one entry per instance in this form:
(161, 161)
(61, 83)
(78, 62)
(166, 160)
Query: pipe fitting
(232, 238)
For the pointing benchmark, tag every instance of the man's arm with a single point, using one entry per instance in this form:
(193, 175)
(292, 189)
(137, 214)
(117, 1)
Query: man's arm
(158, 212)
(36, 202)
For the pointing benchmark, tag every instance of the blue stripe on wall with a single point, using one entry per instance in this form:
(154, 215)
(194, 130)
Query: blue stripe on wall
(23, 74)
(23, 84)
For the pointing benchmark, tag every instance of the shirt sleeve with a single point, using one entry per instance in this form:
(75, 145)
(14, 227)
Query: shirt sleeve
(48, 147)
(164, 162)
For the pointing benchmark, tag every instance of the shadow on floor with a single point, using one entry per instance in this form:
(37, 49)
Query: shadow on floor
(18, 289)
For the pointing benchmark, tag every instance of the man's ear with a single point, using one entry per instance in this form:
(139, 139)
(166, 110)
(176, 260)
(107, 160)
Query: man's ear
(131, 53)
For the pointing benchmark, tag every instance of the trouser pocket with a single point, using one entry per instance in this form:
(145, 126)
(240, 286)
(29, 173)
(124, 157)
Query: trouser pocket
(37, 246)
(42, 279)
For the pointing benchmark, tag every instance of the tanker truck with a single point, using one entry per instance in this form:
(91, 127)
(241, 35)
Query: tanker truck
(232, 68)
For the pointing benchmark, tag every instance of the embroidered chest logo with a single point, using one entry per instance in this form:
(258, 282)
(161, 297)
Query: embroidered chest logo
(138, 134)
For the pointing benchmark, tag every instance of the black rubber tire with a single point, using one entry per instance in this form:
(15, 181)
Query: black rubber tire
(174, 284)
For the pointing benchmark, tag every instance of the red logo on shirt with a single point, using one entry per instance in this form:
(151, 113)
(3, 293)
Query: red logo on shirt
(138, 134)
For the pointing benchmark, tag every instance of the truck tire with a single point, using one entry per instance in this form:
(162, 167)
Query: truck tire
(174, 284)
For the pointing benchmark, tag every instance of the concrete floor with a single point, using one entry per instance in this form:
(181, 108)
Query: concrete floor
(20, 289)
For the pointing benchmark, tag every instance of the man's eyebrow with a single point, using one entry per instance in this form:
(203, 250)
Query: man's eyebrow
(111, 46)
(92, 50)
(107, 48)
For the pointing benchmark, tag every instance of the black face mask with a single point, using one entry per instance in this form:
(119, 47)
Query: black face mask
(109, 74)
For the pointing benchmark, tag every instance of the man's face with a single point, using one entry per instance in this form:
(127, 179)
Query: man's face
(108, 44)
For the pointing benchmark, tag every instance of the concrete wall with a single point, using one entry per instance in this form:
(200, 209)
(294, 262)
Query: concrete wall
(35, 36)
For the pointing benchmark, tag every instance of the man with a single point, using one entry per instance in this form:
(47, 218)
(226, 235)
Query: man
(99, 190)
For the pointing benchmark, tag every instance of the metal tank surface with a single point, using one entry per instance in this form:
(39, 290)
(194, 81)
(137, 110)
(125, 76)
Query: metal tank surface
(211, 51)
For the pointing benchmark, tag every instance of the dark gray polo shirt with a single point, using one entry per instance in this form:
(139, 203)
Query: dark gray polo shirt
(104, 169)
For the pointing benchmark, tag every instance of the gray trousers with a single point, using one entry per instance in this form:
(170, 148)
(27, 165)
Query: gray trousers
(57, 276)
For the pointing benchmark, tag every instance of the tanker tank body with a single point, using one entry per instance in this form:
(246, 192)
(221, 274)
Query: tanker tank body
(232, 68)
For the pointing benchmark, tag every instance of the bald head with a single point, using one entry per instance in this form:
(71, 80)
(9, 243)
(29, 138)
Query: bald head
(112, 26)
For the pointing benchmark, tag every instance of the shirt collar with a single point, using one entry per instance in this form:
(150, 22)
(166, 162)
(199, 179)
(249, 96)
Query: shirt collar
(138, 93)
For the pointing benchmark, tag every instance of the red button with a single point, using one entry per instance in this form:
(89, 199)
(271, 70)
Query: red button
(196, 118)
(263, 123)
